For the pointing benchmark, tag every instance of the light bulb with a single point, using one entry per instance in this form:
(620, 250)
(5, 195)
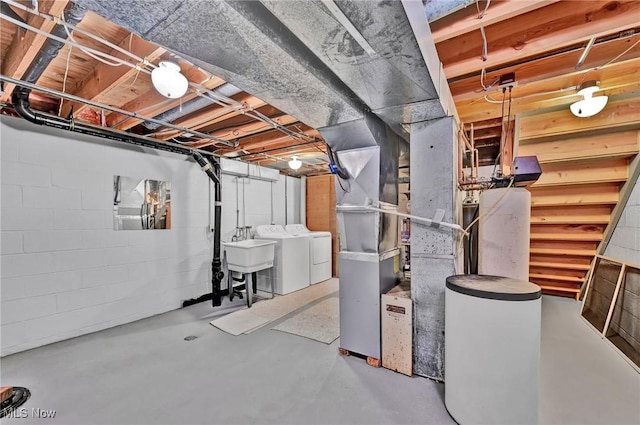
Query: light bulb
(295, 163)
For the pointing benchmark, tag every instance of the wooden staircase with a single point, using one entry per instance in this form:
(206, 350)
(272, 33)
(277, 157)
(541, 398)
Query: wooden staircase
(572, 203)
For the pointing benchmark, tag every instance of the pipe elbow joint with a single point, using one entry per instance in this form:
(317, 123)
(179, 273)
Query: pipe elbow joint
(20, 101)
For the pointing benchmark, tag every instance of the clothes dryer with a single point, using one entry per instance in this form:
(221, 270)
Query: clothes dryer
(319, 252)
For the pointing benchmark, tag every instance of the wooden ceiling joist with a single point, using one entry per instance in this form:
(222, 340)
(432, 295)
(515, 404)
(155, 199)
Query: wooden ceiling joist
(236, 132)
(555, 65)
(152, 103)
(215, 114)
(547, 28)
(617, 79)
(105, 78)
(279, 141)
(27, 44)
(467, 20)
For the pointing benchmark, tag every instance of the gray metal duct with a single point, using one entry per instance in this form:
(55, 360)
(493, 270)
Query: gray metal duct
(243, 43)
(436, 9)
(298, 56)
(199, 102)
(50, 49)
(367, 151)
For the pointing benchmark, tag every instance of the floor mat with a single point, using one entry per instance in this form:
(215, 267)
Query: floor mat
(261, 313)
(320, 322)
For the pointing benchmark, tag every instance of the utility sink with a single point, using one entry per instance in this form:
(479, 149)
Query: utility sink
(250, 255)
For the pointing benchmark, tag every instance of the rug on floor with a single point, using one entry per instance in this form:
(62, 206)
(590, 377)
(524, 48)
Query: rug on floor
(262, 313)
(320, 322)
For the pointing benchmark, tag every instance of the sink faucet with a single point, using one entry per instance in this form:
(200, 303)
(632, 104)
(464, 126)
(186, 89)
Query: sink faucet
(242, 233)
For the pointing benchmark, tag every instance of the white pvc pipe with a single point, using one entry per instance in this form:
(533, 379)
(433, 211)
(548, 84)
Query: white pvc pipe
(417, 218)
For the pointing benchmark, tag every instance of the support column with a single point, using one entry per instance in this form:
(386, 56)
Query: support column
(433, 250)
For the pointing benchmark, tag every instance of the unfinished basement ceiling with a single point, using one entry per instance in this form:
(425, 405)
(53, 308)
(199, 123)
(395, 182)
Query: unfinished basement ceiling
(541, 41)
(297, 64)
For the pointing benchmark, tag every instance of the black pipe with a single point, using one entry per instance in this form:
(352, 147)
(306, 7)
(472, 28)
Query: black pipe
(7, 10)
(213, 171)
(20, 100)
(216, 265)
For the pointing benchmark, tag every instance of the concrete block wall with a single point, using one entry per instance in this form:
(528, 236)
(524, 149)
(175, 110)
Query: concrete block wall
(625, 241)
(65, 271)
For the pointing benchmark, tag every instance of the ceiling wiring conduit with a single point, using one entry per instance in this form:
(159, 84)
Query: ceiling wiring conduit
(218, 98)
(112, 109)
(20, 99)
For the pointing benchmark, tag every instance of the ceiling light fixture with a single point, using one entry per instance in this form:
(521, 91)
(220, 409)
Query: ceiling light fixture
(295, 163)
(168, 80)
(589, 106)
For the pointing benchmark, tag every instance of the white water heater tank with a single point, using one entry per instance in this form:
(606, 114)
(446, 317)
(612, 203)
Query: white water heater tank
(503, 236)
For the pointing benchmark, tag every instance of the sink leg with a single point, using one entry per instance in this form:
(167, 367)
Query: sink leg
(254, 276)
(247, 286)
(272, 274)
(230, 285)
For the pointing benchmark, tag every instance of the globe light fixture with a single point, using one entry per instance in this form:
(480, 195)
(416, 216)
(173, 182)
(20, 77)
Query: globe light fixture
(589, 105)
(168, 80)
(295, 163)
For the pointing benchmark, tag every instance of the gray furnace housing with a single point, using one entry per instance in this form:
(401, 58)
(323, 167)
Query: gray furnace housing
(367, 151)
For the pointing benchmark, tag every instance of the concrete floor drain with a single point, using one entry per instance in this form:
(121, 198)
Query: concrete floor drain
(190, 338)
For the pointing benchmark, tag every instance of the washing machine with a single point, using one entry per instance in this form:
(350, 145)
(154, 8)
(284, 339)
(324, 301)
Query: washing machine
(291, 260)
(319, 252)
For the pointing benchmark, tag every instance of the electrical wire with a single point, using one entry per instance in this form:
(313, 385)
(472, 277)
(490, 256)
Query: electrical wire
(485, 48)
(495, 164)
(597, 68)
(506, 137)
(489, 99)
(483, 74)
(466, 230)
(63, 40)
(96, 57)
(481, 14)
(64, 79)
(75, 28)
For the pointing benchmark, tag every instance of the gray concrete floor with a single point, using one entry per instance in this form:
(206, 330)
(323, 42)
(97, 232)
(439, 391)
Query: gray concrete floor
(145, 372)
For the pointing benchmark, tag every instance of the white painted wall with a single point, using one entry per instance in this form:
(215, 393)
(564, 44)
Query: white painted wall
(258, 202)
(65, 272)
(625, 241)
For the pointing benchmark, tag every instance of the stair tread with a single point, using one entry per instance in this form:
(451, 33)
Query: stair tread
(567, 266)
(556, 277)
(571, 219)
(560, 288)
(563, 251)
(567, 236)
